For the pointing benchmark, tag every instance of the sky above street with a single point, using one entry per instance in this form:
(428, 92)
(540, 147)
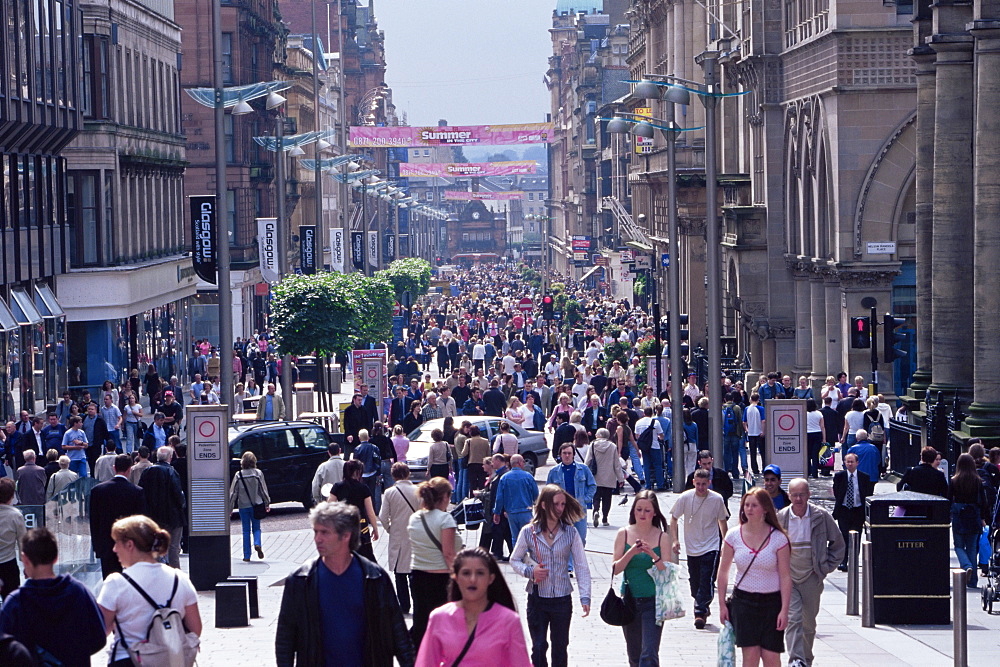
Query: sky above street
(472, 62)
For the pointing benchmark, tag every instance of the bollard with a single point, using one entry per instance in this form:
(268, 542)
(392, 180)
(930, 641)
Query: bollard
(852, 573)
(867, 602)
(960, 617)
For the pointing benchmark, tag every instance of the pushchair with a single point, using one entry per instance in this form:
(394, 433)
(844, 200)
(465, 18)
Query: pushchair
(469, 513)
(991, 587)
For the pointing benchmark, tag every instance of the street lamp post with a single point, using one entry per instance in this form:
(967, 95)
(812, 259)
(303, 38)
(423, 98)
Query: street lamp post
(222, 221)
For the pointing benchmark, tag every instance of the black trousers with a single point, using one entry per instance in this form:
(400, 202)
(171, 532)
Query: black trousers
(850, 519)
(756, 444)
(430, 591)
(603, 497)
(403, 591)
(549, 617)
(498, 535)
(10, 577)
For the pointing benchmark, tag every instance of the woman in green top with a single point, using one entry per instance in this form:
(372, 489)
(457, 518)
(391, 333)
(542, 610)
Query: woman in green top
(638, 547)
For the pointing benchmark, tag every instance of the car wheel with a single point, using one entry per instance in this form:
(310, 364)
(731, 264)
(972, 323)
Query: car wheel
(530, 462)
(307, 502)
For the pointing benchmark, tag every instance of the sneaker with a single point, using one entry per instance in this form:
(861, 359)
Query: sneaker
(798, 662)
(595, 519)
(699, 622)
(605, 523)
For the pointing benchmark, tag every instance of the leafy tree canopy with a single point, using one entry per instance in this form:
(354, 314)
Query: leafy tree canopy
(411, 274)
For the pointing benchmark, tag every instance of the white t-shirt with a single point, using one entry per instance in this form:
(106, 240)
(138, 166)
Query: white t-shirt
(701, 521)
(752, 418)
(426, 556)
(132, 611)
(508, 364)
(855, 419)
(814, 421)
(505, 443)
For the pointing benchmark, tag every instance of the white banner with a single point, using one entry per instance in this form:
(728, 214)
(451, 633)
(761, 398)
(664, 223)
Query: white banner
(373, 249)
(267, 242)
(337, 250)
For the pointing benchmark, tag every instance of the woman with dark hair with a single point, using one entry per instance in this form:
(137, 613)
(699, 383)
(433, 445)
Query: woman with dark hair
(438, 456)
(758, 609)
(969, 513)
(642, 544)
(151, 380)
(480, 600)
(139, 543)
(815, 435)
(414, 418)
(109, 388)
(386, 451)
(353, 491)
(434, 542)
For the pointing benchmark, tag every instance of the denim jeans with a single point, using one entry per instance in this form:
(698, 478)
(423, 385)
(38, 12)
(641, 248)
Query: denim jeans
(633, 454)
(549, 617)
(249, 524)
(131, 437)
(654, 469)
(701, 570)
(642, 635)
(967, 550)
(849, 441)
(730, 450)
(743, 454)
(461, 489)
(115, 435)
(79, 467)
(517, 521)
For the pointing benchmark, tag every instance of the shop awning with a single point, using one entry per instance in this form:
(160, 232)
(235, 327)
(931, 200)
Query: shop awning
(590, 272)
(47, 302)
(7, 321)
(24, 311)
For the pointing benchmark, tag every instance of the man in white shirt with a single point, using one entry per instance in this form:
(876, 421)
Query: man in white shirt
(817, 549)
(508, 363)
(478, 355)
(705, 516)
(329, 472)
(652, 458)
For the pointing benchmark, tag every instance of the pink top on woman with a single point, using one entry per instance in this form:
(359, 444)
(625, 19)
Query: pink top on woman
(763, 575)
(499, 639)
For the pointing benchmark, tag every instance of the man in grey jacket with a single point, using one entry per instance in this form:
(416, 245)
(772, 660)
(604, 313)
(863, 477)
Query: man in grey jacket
(817, 550)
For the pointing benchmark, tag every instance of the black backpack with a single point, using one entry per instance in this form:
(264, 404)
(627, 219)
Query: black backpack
(645, 441)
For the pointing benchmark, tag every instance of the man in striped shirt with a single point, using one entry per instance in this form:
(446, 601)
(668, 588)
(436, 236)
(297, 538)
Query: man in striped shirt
(542, 555)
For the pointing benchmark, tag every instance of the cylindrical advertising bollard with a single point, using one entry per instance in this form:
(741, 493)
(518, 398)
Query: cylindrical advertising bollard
(852, 573)
(960, 617)
(867, 602)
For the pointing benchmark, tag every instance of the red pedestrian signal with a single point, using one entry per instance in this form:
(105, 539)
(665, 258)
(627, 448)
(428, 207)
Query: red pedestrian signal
(547, 307)
(861, 332)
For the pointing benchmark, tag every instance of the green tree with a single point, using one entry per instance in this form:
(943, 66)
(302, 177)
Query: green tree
(373, 310)
(411, 274)
(314, 313)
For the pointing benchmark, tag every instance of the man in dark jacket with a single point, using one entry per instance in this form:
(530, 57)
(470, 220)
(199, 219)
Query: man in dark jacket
(721, 482)
(341, 603)
(110, 501)
(494, 400)
(165, 501)
(356, 419)
(925, 478)
(850, 489)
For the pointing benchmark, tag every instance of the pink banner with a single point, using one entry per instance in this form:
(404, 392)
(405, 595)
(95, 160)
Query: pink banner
(460, 195)
(451, 170)
(487, 135)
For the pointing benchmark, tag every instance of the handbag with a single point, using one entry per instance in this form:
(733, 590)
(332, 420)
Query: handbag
(259, 509)
(618, 610)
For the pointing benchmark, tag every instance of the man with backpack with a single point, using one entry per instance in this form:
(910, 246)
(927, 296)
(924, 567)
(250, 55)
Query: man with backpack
(369, 455)
(649, 440)
(732, 436)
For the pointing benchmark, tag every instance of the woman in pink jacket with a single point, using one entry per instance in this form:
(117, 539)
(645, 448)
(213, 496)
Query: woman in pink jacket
(479, 627)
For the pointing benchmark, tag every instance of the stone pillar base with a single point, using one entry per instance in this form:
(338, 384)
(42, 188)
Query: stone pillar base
(964, 393)
(918, 387)
(984, 422)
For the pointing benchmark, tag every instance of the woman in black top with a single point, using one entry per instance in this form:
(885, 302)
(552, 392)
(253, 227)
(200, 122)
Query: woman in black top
(413, 419)
(969, 513)
(386, 451)
(152, 380)
(355, 492)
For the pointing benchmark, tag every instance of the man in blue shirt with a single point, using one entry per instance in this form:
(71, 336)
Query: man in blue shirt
(515, 496)
(270, 407)
(618, 393)
(771, 389)
(868, 455)
(368, 454)
(52, 435)
(575, 479)
(340, 610)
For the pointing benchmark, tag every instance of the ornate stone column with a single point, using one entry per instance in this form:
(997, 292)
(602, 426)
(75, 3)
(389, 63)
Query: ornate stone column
(803, 322)
(984, 418)
(817, 295)
(952, 353)
(924, 57)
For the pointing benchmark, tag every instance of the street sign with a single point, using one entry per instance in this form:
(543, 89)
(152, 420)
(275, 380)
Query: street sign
(665, 260)
(600, 260)
(627, 256)
(526, 305)
(643, 262)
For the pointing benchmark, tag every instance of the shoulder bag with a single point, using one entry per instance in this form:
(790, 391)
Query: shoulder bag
(259, 509)
(729, 599)
(618, 610)
(427, 529)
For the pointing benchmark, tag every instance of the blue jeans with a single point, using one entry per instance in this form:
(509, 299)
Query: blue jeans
(517, 521)
(654, 469)
(730, 451)
(743, 453)
(461, 490)
(79, 467)
(116, 436)
(543, 614)
(249, 523)
(642, 635)
(633, 454)
(849, 441)
(131, 437)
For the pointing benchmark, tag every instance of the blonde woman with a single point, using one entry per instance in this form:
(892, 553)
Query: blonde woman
(514, 412)
(249, 489)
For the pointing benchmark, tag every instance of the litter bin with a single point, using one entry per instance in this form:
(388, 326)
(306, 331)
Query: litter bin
(307, 369)
(910, 535)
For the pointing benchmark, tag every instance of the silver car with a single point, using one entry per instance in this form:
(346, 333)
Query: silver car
(530, 444)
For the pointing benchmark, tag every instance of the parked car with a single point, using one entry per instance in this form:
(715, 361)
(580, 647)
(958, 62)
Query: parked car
(531, 444)
(288, 453)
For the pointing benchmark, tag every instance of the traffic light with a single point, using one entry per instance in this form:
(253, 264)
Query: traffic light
(861, 332)
(891, 338)
(685, 334)
(547, 306)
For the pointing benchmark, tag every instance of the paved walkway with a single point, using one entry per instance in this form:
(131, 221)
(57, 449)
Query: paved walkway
(841, 640)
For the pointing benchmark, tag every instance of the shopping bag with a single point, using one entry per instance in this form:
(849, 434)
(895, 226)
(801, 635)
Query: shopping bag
(727, 645)
(985, 550)
(669, 604)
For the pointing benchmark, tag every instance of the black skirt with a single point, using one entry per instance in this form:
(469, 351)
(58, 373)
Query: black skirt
(755, 618)
(438, 470)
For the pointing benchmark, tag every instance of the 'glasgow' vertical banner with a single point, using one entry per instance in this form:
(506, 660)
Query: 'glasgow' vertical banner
(389, 249)
(358, 250)
(337, 250)
(373, 249)
(307, 249)
(203, 221)
(267, 242)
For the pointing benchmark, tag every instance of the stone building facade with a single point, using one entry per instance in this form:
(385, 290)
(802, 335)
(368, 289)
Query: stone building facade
(126, 200)
(816, 166)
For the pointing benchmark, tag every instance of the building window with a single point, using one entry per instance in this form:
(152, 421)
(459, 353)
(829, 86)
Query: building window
(96, 77)
(231, 213)
(84, 215)
(227, 58)
(228, 130)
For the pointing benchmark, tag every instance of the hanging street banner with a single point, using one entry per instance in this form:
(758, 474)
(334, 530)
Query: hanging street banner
(388, 247)
(267, 242)
(451, 170)
(203, 221)
(368, 136)
(373, 249)
(358, 250)
(337, 250)
(643, 145)
(461, 195)
(307, 249)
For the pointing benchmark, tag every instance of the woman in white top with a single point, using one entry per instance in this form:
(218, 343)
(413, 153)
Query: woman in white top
(138, 544)
(815, 435)
(853, 420)
(133, 417)
(514, 412)
(832, 390)
(434, 542)
(505, 442)
(252, 388)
